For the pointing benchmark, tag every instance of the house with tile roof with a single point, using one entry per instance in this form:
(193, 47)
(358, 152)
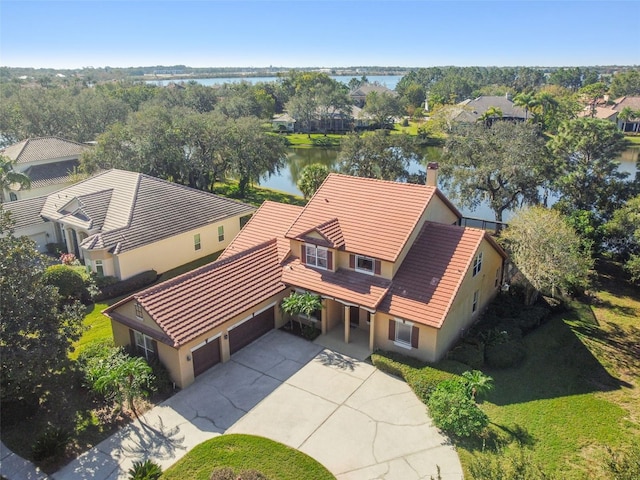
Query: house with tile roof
(390, 261)
(359, 95)
(121, 223)
(49, 162)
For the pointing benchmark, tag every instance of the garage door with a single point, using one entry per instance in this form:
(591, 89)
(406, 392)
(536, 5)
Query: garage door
(41, 241)
(206, 356)
(250, 330)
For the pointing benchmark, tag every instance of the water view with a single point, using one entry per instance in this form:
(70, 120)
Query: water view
(389, 81)
(298, 158)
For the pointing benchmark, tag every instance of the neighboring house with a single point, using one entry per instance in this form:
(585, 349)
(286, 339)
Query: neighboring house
(472, 111)
(359, 95)
(392, 266)
(631, 124)
(284, 123)
(122, 223)
(49, 162)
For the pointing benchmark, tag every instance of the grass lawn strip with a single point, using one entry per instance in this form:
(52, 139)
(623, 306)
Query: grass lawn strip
(247, 452)
(577, 391)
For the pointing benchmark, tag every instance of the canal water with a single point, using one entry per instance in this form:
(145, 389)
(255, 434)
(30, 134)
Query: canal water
(298, 158)
(389, 81)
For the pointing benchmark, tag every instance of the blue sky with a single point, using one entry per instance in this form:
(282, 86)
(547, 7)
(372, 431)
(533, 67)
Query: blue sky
(205, 33)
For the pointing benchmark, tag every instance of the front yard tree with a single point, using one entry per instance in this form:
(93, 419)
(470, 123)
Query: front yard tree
(622, 234)
(35, 334)
(547, 251)
(504, 164)
(9, 177)
(588, 177)
(376, 155)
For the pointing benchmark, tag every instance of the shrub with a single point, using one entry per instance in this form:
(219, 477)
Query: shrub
(55, 248)
(68, 259)
(454, 411)
(624, 464)
(507, 465)
(322, 142)
(96, 350)
(505, 355)
(70, 283)
(531, 318)
(471, 354)
(129, 285)
(162, 379)
(51, 443)
(146, 470)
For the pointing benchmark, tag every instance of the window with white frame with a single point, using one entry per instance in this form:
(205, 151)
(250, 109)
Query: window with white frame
(196, 242)
(316, 256)
(476, 298)
(145, 345)
(221, 233)
(365, 264)
(477, 264)
(138, 311)
(99, 268)
(403, 333)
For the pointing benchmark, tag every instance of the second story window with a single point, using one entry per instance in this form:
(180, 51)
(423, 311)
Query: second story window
(365, 264)
(477, 264)
(138, 311)
(196, 242)
(316, 256)
(221, 233)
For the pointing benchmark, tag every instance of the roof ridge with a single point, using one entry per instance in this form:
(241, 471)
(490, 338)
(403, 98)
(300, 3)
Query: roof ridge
(209, 266)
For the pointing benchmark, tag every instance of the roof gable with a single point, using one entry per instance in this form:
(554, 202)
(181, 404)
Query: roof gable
(195, 302)
(376, 217)
(429, 278)
(329, 233)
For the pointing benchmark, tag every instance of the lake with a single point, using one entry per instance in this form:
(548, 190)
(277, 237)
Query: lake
(298, 158)
(389, 81)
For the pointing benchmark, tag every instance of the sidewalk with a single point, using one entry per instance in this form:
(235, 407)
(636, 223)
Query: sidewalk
(14, 467)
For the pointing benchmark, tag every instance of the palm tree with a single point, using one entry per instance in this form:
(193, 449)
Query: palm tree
(9, 177)
(526, 101)
(491, 114)
(625, 115)
(477, 382)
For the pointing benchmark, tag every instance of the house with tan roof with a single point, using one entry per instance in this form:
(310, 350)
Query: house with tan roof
(49, 162)
(359, 95)
(392, 266)
(121, 223)
(472, 110)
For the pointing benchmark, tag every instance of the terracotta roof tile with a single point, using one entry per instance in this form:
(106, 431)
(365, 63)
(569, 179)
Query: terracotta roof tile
(376, 217)
(270, 221)
(428, 280)
(353, 287)
(330, 232)
(194, 303)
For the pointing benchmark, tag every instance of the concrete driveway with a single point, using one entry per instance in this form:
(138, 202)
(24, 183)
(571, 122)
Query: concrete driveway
(357, 421)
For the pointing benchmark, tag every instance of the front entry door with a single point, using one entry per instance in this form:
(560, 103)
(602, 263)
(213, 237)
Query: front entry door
(354, 316)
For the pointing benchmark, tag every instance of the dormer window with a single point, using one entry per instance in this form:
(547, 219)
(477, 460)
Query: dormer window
(139, 311)
(315, 256)
(365, 264)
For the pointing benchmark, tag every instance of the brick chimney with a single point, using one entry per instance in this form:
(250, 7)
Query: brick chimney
(432, 174)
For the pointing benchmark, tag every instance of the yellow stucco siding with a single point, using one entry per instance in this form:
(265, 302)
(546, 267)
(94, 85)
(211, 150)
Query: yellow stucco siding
(427, 339)
(179, 362)
(461, 315)
(175, 251)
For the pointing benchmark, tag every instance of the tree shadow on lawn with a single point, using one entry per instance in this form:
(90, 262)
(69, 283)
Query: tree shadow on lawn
(558, 364)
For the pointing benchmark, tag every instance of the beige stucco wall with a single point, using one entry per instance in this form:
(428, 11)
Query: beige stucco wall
(179, 362)
(177, 250)
(41, 233)
(427, 339)
(460, 316)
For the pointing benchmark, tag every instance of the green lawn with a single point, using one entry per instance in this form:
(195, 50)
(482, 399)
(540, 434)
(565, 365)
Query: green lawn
(247, 452)
(578, 390)
(303, 140)
(257, 195)
(635, 139)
